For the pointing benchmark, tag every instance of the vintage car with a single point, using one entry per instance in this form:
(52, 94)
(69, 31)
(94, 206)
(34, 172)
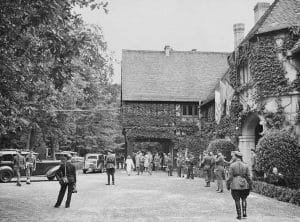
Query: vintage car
(46, 168)
(75, 157)
(93, 162)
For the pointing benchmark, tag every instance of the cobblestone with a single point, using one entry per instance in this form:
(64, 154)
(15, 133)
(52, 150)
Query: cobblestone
(135, 198)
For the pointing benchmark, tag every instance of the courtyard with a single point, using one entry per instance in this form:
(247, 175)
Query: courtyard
(135, 198)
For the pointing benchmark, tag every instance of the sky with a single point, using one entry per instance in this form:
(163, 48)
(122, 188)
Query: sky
(205, 25)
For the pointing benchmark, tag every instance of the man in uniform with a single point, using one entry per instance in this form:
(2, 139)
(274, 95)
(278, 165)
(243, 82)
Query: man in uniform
(30, 165)
(190, 166)
(19, 164)
(207, 165)
(110, 167)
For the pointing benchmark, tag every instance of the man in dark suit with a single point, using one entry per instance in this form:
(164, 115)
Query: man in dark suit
(68, 170)
(110, 167)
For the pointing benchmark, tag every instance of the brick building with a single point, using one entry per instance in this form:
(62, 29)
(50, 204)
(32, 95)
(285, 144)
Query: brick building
(161, 91)
(260, 89)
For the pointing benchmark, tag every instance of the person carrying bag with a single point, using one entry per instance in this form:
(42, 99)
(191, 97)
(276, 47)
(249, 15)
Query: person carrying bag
(67, 179)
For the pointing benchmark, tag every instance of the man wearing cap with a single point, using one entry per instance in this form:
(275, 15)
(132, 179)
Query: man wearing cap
(19, 164)
(239, 182)
(207, 165)
(30, 165)
(110, 167)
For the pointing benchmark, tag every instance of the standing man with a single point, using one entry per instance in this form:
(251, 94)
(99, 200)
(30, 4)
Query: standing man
(156, 162)
(190, 166)
(137, 163)
(66, 170)
(207, 165)
(110, 167)
(30, 165)
(19, 164)
(240, 184)
(179, 163)
(170, 164)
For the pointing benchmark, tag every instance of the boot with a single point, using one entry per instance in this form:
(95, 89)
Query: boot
(28, 181)
(244, 208)
(238, 210)
(207, 184)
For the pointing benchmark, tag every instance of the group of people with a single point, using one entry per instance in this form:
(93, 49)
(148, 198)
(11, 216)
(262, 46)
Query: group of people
(146, 162)
(238, 178)
(27, 163)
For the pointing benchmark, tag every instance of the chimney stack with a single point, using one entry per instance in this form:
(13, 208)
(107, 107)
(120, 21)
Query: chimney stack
(167, 50)
(238, 30)
(260, 9)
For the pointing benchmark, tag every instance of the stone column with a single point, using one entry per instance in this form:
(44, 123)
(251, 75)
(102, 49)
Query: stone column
(246, 143)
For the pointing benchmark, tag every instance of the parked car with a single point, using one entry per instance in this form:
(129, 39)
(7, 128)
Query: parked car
(93, 162)
(75, 157)
(45, 167)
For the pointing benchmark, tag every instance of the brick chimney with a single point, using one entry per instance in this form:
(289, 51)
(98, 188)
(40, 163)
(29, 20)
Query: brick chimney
(167, 50)
(260, 9)
(238, 31)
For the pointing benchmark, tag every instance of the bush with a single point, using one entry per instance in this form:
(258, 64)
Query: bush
(280, 193)
(222, 145)
(280, 149)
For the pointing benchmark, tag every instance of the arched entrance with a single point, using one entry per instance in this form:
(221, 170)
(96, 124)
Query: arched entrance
(251, 132)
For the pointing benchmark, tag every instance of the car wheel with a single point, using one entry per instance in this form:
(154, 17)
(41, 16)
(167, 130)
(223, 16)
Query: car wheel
(6, 176)
(84, 171)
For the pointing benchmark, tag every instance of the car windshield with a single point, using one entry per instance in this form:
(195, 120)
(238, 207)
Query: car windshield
(92, 157)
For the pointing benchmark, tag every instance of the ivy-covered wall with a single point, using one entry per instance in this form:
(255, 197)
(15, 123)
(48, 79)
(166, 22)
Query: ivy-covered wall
(161, 120)
(272, 91)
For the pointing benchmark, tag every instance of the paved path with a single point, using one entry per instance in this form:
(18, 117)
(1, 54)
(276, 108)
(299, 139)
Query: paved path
(135, 199)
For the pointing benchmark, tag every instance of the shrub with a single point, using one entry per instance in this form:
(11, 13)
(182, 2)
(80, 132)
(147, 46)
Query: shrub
(280, 149)
(280, 193)
(222, 145)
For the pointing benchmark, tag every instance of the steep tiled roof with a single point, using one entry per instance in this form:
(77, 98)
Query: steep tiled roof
(280, 15)
(181, 76)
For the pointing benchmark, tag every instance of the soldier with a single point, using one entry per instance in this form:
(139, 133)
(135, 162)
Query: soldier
(169, 161)
(220, 171)
(156, 162)
(207, 164)
(179, 163)
(19, 164)
(240, 183)
(190, 166)
(110, 167)
(30, 165)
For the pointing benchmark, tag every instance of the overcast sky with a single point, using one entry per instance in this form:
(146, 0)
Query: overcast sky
(205, 25)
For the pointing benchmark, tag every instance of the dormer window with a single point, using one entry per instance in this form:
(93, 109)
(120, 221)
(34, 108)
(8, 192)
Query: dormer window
(244, 71)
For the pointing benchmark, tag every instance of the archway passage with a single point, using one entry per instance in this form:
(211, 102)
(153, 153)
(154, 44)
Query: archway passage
(251, 133)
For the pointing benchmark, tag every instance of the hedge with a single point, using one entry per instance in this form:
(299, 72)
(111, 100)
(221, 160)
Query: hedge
(280, 149)
(280, 193)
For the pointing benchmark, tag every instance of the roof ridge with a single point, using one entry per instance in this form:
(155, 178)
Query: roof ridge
(193, 52)
(259, 23)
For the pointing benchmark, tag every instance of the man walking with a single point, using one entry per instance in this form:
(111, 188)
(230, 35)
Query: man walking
(30, 165)
(19, 164)
(110, 167)
(207, 165)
